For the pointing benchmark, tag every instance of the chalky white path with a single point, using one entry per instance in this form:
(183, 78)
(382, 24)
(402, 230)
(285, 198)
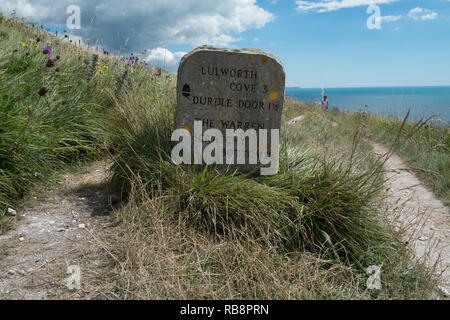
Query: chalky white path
(417, 211)
(55, 232)
(425, 218)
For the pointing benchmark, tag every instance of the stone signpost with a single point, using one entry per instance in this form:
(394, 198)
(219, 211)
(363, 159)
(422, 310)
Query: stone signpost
(230, 89)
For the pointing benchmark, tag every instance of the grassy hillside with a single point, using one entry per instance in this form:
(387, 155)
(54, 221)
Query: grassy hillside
(53, 101)
(197, 232)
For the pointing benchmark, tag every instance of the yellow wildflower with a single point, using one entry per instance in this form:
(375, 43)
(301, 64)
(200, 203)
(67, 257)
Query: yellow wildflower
(24, 45)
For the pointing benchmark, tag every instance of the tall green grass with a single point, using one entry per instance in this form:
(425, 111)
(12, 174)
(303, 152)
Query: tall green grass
(49, 116)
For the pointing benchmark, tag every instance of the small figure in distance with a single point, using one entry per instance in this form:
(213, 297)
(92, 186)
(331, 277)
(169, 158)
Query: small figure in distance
(325, 104)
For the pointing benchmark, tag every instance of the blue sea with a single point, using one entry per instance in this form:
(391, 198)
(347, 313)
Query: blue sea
(386, 101)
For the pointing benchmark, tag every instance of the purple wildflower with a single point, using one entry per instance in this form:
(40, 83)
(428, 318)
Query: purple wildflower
(19, 96)
(50, 63)
(47, 50)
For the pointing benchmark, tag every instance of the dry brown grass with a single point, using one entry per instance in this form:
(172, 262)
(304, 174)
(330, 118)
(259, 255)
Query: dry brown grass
(154, 259)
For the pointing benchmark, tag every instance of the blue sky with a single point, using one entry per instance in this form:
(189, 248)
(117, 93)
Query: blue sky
(336, 49)
(322, 43)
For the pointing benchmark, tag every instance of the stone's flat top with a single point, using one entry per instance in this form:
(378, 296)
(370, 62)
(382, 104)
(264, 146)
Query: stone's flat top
(254, 51)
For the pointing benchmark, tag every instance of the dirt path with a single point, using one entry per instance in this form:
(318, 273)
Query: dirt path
(56, 231)
(423, 219)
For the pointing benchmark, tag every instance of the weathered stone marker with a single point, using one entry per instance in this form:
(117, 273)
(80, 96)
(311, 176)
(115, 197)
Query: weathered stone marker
(231, 89)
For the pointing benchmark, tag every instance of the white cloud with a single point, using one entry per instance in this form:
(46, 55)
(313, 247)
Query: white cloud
(419, 13)
(161, 57)
(23, 8)
(150, 23)
(321, 6)
(334, 5)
